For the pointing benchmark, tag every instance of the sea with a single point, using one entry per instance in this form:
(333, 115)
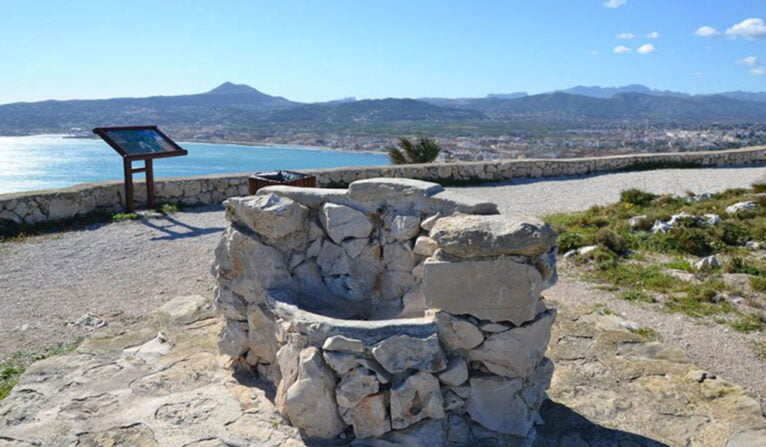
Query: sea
(54, 161)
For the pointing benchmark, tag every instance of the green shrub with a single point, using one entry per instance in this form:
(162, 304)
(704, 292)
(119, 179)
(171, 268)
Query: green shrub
(119, 217)
(758, 283)
(693, 241)
(637, 197)
(612, 241)
(636, 295)
(733, 234)
(739, 265)
(569, 240)
(749, 323)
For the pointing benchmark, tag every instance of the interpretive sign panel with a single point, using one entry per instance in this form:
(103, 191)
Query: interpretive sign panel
(139, 143)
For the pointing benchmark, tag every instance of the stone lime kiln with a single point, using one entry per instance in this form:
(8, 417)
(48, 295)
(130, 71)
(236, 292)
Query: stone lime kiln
(391, 309)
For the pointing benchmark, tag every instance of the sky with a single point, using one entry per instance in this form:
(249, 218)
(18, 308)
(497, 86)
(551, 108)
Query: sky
(328, 49)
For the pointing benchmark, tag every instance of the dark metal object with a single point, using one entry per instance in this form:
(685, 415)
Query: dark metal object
(291, 178)
(144, 143)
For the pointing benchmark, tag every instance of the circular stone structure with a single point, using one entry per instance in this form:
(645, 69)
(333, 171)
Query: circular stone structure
(389, 310)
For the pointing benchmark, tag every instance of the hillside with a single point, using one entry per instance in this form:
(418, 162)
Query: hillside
(245, 109)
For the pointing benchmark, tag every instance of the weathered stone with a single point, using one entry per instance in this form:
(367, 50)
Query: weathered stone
(497, 290)
(229, 304)
(472, 236)
(152, 350)
(355, 386)
(269, 215)
(314, 248)
(332, 260)
(495, 404)
(546, 265)
(741, 206)
(340, 362)
(310, 401)
(425, 246)
(308, 276)
(403, 227)
(417, 398)
(516, 352)
(391, 189)
(343, 344)
(342, 222)
(310, 197)
(287, 359)
(232, 340)
(456, 373)
(708, 263)
(354, 247)
(402, 352)
(495, 327)
(262, 333)
(448, 202)
(452, 401)
(394, 284)
(249, 267)
(457, 333)
(429, 222)
(398, 257)
(534, 392)
(369, 417)
(748, 438)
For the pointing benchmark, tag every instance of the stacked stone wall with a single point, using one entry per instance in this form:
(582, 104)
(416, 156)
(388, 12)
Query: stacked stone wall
(390, 308)
(28, 208)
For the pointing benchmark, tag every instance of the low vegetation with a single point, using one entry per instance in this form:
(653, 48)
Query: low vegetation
(658, 267)
(13, 367)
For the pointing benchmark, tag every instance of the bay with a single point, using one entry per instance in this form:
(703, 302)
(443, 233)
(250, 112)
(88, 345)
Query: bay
(52, 161)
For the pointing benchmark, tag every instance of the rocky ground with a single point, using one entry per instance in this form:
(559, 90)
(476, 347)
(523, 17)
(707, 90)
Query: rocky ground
(121, 271)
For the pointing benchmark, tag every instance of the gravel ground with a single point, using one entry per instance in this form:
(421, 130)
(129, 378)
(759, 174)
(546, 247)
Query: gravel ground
(125, 269)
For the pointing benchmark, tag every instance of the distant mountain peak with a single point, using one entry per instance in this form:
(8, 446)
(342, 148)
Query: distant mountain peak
(229, 88)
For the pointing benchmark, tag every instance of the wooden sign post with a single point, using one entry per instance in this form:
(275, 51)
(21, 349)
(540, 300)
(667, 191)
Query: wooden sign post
(139, 143)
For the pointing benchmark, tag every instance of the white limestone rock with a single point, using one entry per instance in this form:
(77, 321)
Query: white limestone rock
(707, 264)
(534, 392)
(395, 284)
(355, 386)
(340, 362)
(343, 344)
(342, 222)
(314, 248)
(417, 398)
(383, 189)
(456, 373)
(308, 276)
(354, 247)
(287, 361)
(369, 417)
(232, 340)
(516, 352)
(402, 352)
(472, 236)
(457, 333)
(496, 290)
(636, 221)
(449, 202)
(310, 197)
(429, 222)
(269, 215)
(398, 257)
(310, 401)
(546, 265)
(425, 246)
(495, 403)
(262, 333)
(402, 227)
(333, 260)
(741, 206)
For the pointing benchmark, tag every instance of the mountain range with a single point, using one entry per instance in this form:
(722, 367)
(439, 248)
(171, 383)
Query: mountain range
(245, 109)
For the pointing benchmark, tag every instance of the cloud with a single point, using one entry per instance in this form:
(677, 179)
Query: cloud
(626, 36)
(622, 49)
(646, 49)
(760, 71)
(751, 28)
(706, 31)
(653, 35)
(750, 60)
(615, 3)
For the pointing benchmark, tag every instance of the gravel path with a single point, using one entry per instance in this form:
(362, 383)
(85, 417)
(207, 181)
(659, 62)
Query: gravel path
(126, 269)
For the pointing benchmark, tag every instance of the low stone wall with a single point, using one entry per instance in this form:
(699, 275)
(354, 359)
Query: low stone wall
(387, 306)
(33, 207)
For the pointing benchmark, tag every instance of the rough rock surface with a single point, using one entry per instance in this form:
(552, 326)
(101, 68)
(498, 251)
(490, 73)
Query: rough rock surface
(417, 398)
(342, 222)
(402, 352)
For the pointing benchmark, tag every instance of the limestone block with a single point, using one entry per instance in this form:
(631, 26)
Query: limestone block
(448, 202)
(342, 222)
(546, 265)
(229, 304)
(314, 248)
(369, 417)
(355, 386)
(429, 222)
(10, 216)
(340, 362)
(457, 333)
(534, 393)
(516, 352)
(497, 290)
(417, 398)
(471, 236)
(394, 284)
(310, 401)
(232, 340)
(269, 215)
(402, 352)
(391, 189)
(287, 360)
(354, 247)
(495, 404)
(402, 227)
(332, 260)
(425, 246)
(310, 197)
(343, 344)
(398, 257)
(456, 373)
(262, 332)
(61, 209)
(308, 276)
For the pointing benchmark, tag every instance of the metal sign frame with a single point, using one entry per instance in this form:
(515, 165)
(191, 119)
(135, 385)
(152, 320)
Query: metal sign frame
(148, 157)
